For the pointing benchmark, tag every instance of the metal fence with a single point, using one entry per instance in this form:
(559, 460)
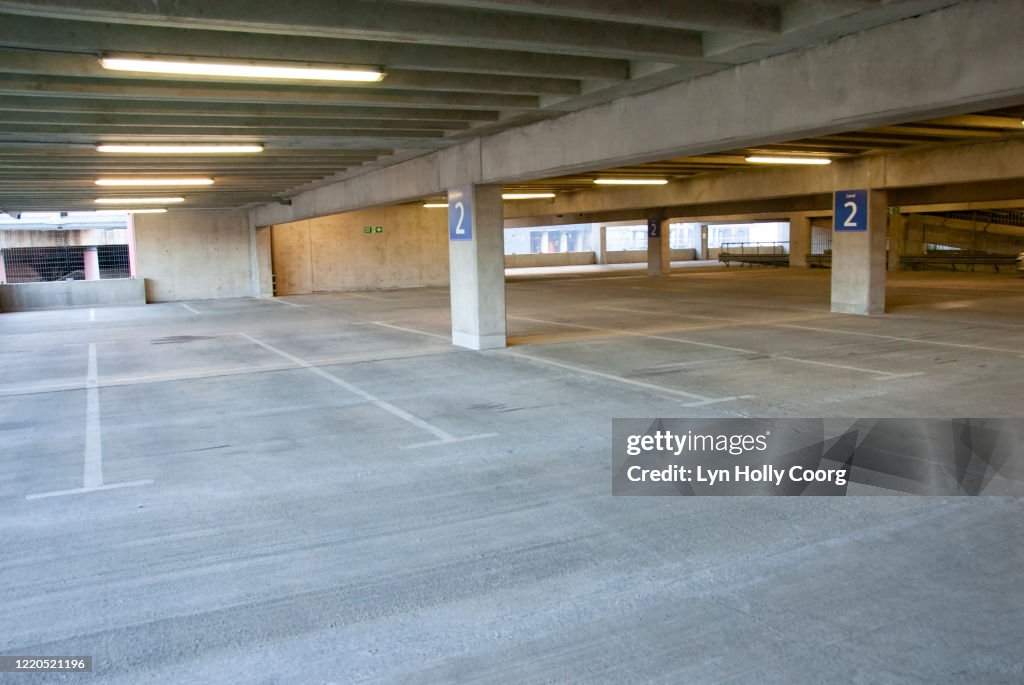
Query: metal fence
(821, 240)
(774, 247)
(62, 263)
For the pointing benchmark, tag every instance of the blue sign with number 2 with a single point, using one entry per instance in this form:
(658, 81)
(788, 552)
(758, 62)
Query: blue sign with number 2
(460, 214)
(850, 210)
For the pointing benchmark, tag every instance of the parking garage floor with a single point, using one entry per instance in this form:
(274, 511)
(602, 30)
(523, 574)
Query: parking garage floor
(320, 489)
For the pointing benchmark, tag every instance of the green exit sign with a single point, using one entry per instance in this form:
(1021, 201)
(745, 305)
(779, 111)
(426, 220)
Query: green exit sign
(367, 229)
(373, 229)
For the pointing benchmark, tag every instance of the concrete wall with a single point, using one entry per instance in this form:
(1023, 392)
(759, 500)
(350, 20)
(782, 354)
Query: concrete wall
(519, 261)
(640, 256)
(334, 252)
(194, 255)
(60, 238)
(21, 297)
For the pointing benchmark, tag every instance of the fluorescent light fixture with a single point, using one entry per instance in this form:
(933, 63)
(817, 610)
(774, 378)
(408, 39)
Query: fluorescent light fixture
(176, 149)
(154, 181)
(192, 66)
(138, 200)
(630, 181)
(435, 205)
(526, 196)
(789, 160)
(151, 210)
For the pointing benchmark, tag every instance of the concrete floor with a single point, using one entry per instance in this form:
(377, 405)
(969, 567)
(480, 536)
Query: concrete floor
(337, 495)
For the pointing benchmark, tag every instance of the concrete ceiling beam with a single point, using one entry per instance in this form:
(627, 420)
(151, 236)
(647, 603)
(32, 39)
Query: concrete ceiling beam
(159, 121)
(94, 37)
(99, 105)
(694, 15)
(25, 84)
(377, 20)
(24, 61)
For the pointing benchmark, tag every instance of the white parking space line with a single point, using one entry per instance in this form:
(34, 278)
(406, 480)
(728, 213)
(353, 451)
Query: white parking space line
(385, 324)
(939, 343)
(92, 315)
(444, 437)
(189, 308)
(92, 476)
(698, 400)
(764, 355)
(80, 491)
(290, 304)
(637, 335)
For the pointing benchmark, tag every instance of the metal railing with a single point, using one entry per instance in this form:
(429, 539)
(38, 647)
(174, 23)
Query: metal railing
(779, 247)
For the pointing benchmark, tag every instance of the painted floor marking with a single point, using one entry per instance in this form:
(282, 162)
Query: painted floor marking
(92, 315)
(385, 324)
(92, 476)
(290, 304)
(443, 436)
(698, 400)
(899, 338)
(194, 311)
(886, 374)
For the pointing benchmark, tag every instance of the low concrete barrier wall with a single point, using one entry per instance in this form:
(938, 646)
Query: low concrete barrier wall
(23, 297)
(625, 257)
(685, 254)
(520, 261)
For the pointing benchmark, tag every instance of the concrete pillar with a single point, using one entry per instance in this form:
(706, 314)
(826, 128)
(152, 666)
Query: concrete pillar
(92, 263)
(703, 242)
(602, 254)
(799, 240)
(897, 241)
(133, 269)
(3, 268)
(659, 254)
(261, 260)
(858, 262)
(476, 253)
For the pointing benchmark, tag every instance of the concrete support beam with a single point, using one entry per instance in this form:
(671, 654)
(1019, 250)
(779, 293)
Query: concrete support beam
(133, 259)
(799, 240)
(477, 264)
(897, 241)
(91, 259)
(659, 254)
(261, 261)
(858, 262)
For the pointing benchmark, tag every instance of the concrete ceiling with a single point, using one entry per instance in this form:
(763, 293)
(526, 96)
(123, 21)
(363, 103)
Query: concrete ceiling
(456, 69)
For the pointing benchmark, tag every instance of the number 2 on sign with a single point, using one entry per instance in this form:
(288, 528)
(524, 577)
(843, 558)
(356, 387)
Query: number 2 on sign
(459, 230)
(850, 223)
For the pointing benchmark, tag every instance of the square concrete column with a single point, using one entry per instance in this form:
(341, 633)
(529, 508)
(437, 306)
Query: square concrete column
(602, 243)
(133, 262)
(799, 241)
(91, 259)
(897, 241)
(3, 268)
(659, 253)
(858, 261)
(476, 253)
